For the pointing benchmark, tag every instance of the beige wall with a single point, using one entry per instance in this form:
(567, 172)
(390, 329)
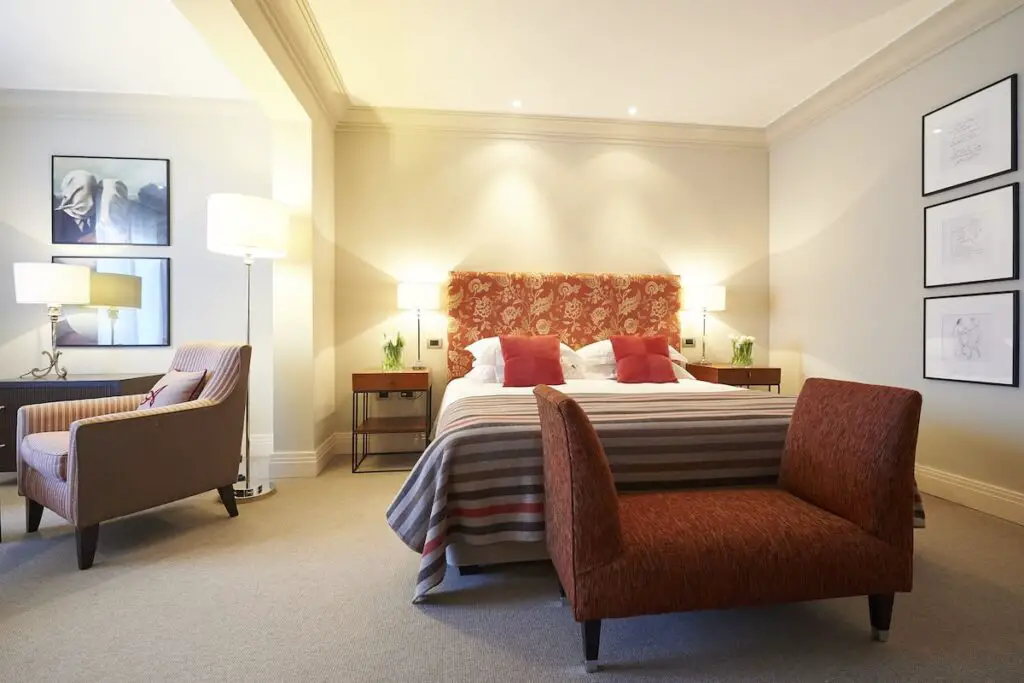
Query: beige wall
(415, 204)
(324, 355)
(213, 146)
(846, 258)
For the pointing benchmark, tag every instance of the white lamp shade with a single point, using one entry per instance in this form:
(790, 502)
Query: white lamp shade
(53, 284)
(241, 225)
(419, 296)
(115, 290)
(704, 298)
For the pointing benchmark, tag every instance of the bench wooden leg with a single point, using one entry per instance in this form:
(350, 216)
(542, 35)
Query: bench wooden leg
(591, 632)
(880, 609)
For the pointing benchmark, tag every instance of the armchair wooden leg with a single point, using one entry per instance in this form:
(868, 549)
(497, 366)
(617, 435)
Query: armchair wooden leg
(591, 632)
(33, 515)
(227, 496)
(880, 609)
(85, 542)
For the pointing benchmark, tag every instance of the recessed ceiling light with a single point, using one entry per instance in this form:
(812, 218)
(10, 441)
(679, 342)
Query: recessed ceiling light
(517, 104)
(937, 131)
(632, 111)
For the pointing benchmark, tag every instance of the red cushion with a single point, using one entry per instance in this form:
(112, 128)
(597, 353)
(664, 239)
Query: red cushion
(642, 359)
(530, 361)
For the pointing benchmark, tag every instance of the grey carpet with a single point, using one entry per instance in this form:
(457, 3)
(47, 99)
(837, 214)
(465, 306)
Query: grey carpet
(310, 585)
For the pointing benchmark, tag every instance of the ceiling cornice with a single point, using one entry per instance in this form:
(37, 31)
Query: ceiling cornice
(295, 27)
(64, 104)
(509, 126)
(940, 31)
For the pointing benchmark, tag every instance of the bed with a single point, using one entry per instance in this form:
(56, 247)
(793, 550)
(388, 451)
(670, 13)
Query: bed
(475, 496)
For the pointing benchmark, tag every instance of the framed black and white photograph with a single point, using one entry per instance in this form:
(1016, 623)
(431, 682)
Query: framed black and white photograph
(110, 200)
(130, 303)
(973, 239)
(972, 338)
(970, 139)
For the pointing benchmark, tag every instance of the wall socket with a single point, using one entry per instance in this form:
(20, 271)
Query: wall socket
(433, 343)
(408, 394)
(689, 342)
(383, 395)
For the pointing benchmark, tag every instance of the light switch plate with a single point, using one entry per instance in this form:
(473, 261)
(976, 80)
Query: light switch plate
(689, 342)
(433, 343)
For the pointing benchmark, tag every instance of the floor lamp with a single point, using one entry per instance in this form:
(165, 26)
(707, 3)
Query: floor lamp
(252, 228)
(705, 299)
(53, 285)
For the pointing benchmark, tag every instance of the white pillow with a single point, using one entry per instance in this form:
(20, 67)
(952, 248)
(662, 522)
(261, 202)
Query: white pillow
(490, 374)
(607, 371)
(484, 374)
(601, 353)
(487, 351)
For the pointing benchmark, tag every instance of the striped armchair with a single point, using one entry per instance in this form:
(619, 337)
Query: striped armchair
(97, 459)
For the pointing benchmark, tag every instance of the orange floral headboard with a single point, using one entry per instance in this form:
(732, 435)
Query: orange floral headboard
(579, 308)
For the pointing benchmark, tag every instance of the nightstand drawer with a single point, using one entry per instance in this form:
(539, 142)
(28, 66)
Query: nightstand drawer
(406, 380)
(764, 376)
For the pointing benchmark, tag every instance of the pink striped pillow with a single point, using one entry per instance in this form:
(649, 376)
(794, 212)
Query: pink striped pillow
(174, 387)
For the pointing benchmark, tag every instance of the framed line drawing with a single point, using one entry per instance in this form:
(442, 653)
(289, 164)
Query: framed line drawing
(973, 338)
(110, 200)
(970, 139)
(141, 317)
(973, 239)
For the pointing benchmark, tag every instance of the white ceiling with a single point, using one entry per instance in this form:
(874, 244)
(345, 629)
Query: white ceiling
(725, 62)
(121, 46)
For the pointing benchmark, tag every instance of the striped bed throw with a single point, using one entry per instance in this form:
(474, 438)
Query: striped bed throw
(481, 479)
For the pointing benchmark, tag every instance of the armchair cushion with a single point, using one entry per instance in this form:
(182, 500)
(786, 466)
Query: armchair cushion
(47, 453)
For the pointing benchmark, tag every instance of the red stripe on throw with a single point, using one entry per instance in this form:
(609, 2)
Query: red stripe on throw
(497, 510)
(432, 545)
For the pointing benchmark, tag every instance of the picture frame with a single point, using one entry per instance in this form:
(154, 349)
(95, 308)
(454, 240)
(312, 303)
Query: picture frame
(970, 139)
(973, 239)
(973, 338)
(110, 200)
(113, 323)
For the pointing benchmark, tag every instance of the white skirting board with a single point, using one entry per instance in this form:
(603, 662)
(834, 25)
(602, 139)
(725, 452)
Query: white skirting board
(305, 463)
(988, 498)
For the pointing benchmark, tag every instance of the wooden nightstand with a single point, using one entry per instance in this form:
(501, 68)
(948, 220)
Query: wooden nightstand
(723, 373)
(370, 382)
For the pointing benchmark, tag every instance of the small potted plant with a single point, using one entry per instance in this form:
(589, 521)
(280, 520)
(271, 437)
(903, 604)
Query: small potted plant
(393, 352)
(742, 350)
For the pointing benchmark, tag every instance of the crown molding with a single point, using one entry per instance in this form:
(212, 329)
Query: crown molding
(294, 25)
(943, 29)
(529, 127)
(63, 104)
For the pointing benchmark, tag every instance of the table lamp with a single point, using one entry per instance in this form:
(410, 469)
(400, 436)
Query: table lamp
(704, 298)
(114, 291)
(54, 285)
(251, 228)
(418, 296)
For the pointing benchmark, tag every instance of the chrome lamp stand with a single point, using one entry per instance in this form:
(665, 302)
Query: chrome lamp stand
(419, 358)
(245, 491)
(704, 339)
(53, 355)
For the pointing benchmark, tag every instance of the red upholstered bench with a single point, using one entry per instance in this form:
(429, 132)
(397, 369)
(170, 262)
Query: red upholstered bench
(840, 524)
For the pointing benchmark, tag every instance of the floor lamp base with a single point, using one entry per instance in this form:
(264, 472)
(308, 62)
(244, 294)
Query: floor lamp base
(244, 493)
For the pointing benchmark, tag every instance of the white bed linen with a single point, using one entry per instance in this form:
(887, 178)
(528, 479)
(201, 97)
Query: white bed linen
(462, 388)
